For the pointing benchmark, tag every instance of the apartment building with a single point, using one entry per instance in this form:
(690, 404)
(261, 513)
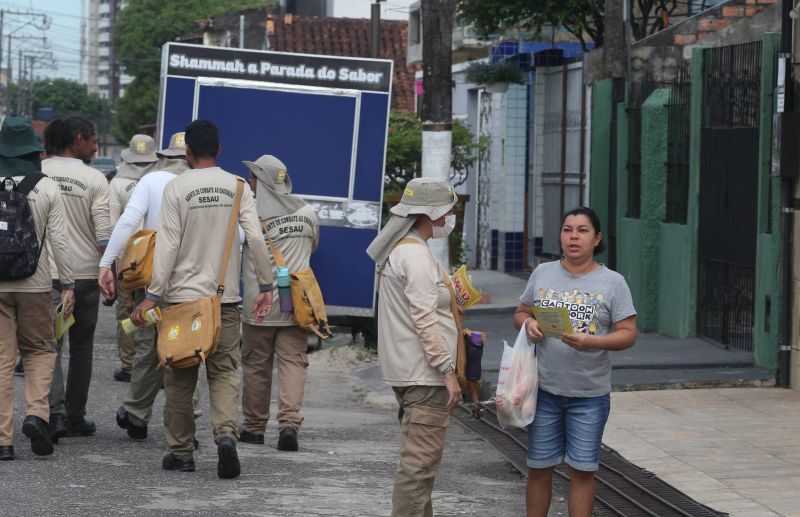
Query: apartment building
(104, 75)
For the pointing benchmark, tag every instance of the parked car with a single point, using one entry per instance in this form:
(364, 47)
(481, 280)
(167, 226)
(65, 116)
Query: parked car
(105, 165)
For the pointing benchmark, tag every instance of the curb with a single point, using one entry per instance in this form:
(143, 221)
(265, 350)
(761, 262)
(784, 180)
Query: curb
(480, 310)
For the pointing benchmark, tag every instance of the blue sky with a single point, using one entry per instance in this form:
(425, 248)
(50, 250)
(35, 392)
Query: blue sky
(63, 36)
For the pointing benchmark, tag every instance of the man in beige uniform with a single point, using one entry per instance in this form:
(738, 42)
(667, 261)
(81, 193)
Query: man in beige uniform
(292, 226)
(72, 142)
(25, 316)
(137, 160)
(192, 227)
(142, 211)
(417, 335)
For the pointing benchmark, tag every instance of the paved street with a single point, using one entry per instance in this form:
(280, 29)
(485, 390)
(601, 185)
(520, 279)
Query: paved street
(348, 453)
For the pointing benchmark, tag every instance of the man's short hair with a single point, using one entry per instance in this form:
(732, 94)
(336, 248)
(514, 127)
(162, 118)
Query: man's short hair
(62, 133)
(202, 138)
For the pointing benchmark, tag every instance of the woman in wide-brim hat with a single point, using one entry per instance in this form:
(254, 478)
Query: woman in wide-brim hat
(417, 335)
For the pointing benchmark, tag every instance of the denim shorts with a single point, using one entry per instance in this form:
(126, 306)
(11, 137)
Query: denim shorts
(567, 429)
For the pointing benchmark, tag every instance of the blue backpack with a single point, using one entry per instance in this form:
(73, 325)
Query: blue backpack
(19, 246)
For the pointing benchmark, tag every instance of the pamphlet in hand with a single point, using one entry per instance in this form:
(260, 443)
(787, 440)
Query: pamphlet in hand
(553, 321)
(61, 324)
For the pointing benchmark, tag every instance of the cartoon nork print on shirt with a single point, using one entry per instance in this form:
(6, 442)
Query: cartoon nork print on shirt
(582, 307)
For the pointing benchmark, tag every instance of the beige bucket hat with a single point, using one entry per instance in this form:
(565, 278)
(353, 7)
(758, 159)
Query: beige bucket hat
(428, 196)
(177, 147)
(142, 149)
(272, 171)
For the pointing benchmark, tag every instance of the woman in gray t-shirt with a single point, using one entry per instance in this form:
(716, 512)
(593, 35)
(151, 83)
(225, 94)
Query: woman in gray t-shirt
(575, 368)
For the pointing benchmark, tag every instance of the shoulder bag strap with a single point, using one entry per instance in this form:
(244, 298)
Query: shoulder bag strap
(406, 240)
(229, 240)
(24, 187)
(28, 182)
(461, 351)
(276, 254)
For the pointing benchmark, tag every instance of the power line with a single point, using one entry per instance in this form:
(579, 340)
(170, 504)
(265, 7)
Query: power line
(51, 11)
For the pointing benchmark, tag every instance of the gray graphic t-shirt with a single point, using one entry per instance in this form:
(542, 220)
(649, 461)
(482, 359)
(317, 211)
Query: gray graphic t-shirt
(595, 301)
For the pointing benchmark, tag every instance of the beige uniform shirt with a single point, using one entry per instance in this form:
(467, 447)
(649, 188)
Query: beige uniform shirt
(416, 330)
(192, 229)
(85, 193)
(121, 189)
(48, 212)
(296, 236)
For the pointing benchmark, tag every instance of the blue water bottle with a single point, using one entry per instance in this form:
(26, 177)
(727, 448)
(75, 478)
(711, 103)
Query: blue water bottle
(284, 291)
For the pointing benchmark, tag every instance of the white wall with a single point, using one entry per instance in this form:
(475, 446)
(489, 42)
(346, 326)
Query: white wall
(390, 9)
(465, 108)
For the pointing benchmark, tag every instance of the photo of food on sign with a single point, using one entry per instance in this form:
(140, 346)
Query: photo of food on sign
(351, 214)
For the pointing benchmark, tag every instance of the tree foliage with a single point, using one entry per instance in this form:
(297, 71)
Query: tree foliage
(66, 97)
(582, 18)
(141, 29)
(404, 150)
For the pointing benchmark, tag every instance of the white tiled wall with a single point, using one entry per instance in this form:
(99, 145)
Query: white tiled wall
(509, 112)
(516, 125)
(498, 188)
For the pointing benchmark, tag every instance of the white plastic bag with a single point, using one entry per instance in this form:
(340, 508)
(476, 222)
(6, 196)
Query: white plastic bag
(517, 383)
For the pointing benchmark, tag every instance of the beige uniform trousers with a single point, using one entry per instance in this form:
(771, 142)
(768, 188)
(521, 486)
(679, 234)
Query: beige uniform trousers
(146, 377)
(423, 419)
(223, 387)
(126, 346)
(261, 345)
(26, 320)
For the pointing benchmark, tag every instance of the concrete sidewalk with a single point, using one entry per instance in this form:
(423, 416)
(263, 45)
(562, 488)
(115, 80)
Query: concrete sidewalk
(655, 361)
(734, 449)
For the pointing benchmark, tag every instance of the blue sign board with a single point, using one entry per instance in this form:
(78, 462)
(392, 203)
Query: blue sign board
(325, 117)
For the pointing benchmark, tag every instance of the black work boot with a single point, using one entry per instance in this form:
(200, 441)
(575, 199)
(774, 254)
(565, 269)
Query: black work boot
(135, 432)
(80, 426)
(121, 375)
(170, 462)
(287, 440)
(39, 433)
(252, 438)
(6, 452)
(228, 466)
(58, 427)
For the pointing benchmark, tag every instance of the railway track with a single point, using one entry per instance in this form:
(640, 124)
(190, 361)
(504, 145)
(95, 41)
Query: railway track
(623, 489)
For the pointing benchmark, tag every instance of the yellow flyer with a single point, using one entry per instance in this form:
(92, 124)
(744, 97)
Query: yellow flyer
(61, 325)
(466, 294)
(553, 321)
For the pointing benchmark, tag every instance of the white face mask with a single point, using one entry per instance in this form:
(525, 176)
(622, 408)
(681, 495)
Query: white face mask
(440, 232)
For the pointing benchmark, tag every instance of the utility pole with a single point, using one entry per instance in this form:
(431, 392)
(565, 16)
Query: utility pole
(29, 95)
(617, 17)
(437, 100)
(113, 87)
(375, 29)
(20, 89)
(2, 19)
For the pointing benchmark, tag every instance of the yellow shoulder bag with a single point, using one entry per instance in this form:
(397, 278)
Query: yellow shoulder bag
(189, 332)
(309, 306)
(136, 263)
